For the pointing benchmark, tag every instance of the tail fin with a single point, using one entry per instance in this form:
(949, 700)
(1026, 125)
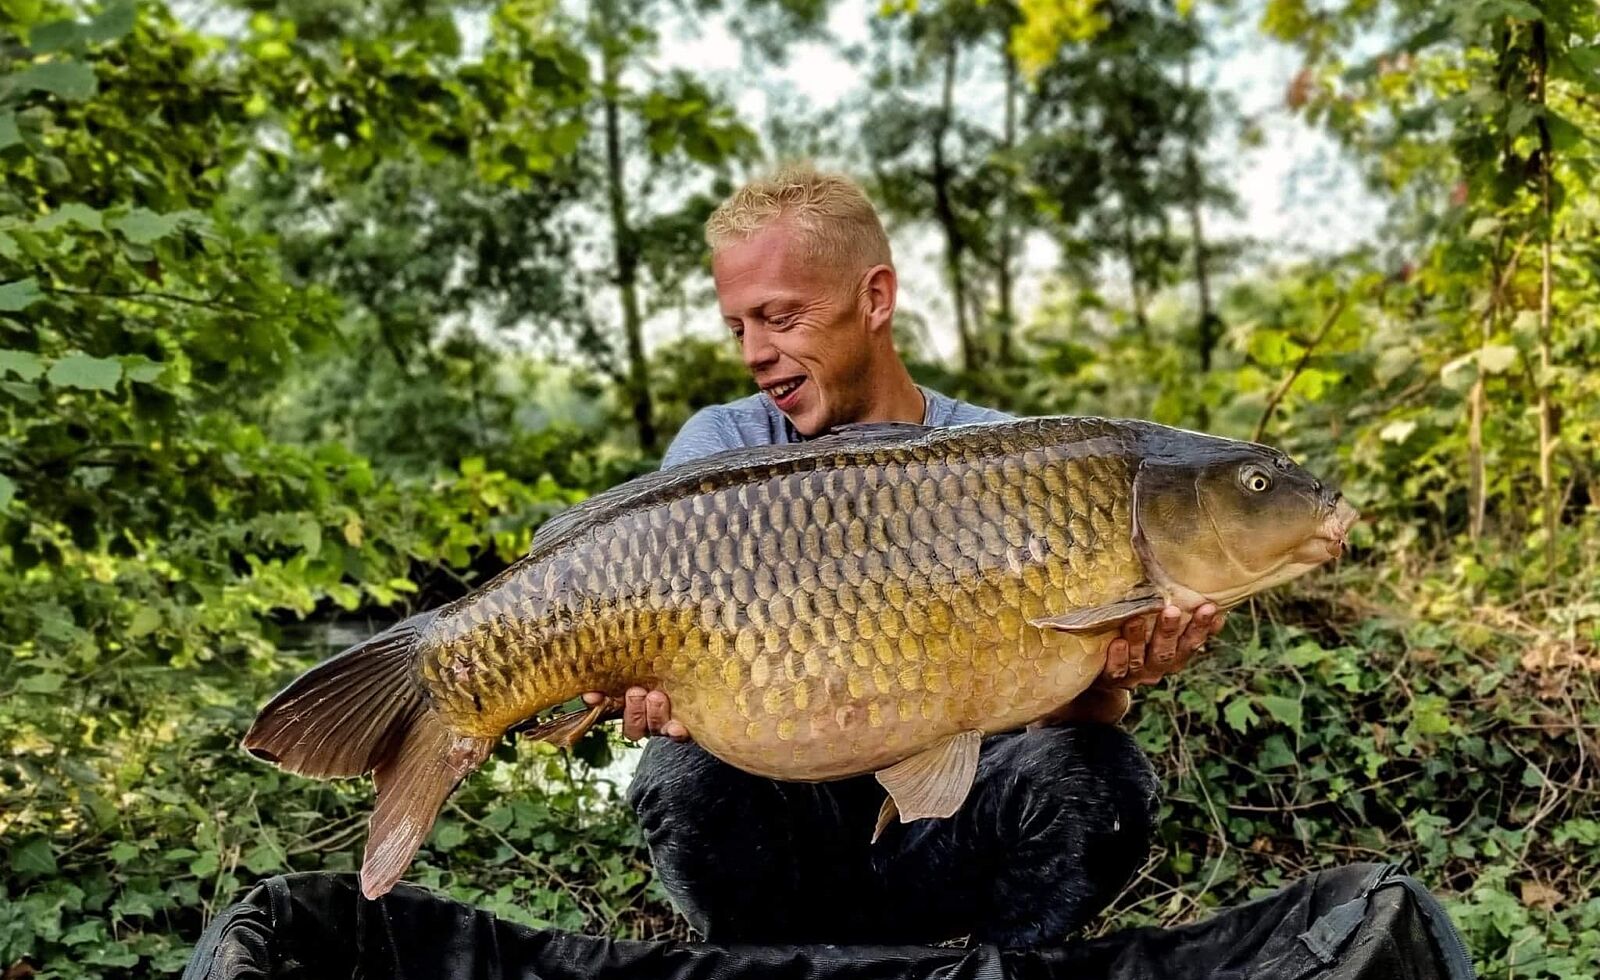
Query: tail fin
(364, 711)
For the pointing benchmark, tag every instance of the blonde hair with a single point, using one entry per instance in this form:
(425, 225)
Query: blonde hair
(830, 211)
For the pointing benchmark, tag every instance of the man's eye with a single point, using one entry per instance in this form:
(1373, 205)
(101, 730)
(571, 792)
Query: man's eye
(781, 322)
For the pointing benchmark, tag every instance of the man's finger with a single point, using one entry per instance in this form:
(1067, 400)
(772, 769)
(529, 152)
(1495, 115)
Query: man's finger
(1165, 644)
(633, 714)
(1117, 659)
(676, 731)
(1197, 632)
(657, 712)
(1134, 633)
(1216, 622)
(592, 698)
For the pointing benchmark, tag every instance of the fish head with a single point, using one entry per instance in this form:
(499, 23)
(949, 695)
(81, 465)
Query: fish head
(1234, 519)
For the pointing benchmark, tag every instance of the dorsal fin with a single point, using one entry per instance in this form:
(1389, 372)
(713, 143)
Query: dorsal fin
(728, 467)
(875, 431)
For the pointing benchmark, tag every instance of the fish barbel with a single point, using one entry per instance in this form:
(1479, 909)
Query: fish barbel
(874, 600)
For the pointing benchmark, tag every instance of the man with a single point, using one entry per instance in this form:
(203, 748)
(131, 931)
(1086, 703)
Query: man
(1059, 816)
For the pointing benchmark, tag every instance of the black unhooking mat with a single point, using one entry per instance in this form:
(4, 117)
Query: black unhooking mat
(1359, 922)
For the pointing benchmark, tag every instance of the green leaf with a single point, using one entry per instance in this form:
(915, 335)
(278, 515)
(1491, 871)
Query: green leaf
(73, 81)
(18, 295)
(45, 683)
(53, 36)
(1496, 358)
(8, 490)
(1239, 714)
(1397, 431)
(137, 367)
(143, 226)
(33, 856)
(1286, 711)
(449, 836)
(1276, 754)
(123, 851)
(83, 371)
(24, 364)
(113, 23)
(145, 620)
(9, 134)
(68, 214)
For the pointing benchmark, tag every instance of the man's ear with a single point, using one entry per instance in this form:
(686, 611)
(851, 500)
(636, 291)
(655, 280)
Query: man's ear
(878, 290)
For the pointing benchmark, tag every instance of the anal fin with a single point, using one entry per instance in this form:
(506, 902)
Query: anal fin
(1141, 601)
(932, 783)
(413, 784)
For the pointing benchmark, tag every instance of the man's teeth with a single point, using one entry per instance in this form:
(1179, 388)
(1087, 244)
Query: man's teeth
(778, 391)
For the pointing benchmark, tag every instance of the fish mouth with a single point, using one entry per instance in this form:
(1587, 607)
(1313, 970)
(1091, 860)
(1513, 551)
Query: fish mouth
(1335, 529)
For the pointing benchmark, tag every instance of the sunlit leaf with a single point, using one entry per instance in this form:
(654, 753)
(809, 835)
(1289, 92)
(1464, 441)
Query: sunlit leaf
(73, 81)
(83, 371)
(19, 295)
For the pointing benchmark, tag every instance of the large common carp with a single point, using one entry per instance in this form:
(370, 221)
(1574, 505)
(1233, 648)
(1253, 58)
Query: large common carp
(875, 600)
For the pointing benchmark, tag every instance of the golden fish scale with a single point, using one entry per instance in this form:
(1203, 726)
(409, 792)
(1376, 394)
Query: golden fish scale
(814, 622)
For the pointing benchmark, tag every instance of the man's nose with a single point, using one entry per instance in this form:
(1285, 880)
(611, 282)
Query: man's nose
(758, 349)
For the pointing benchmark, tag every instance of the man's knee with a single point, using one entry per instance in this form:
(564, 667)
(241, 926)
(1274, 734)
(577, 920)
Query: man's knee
(672, 774)
(1096, 775)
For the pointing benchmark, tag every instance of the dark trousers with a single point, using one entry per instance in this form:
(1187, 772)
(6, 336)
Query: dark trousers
(1058, 821)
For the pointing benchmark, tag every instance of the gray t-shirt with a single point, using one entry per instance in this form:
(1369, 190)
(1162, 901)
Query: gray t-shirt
(755, 421)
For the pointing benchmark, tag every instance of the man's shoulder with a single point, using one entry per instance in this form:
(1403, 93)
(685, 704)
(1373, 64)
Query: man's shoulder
(732, 425)
(944, 410)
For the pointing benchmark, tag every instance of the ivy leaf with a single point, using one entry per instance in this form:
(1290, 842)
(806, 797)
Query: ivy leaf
(33, 856)
(144, 621)
(18, 295)
(83, 371)
(24, 364)
(45, 683)
(73, 81)
(1286, 711)
(1240, 715)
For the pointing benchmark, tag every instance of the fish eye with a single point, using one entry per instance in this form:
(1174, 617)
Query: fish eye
(1255, 479)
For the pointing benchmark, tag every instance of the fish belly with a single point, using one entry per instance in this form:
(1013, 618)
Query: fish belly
(843, 720)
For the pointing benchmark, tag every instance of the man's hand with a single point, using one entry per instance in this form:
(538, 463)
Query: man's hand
(1136, 657)
(1133, 658)
(645, 713)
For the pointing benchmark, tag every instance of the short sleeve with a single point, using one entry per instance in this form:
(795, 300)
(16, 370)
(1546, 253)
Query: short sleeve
(707, 432)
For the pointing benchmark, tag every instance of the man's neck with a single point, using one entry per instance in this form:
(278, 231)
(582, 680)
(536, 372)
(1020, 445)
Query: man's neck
(898, 399)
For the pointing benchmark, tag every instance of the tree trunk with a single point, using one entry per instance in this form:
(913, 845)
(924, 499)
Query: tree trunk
(624, 243)
(1206, 337)
(1547, 426)
(955, 244)
(1135, 284)
(1006, 324)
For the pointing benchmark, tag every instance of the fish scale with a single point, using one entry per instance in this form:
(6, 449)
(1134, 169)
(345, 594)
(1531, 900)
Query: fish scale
(802, 653)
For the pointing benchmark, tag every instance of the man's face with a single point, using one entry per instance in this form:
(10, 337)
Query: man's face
(802, 324)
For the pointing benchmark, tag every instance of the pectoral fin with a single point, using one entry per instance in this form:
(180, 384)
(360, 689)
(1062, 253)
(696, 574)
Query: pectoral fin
(1096, 619)
(564, 730)
(932, 783)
